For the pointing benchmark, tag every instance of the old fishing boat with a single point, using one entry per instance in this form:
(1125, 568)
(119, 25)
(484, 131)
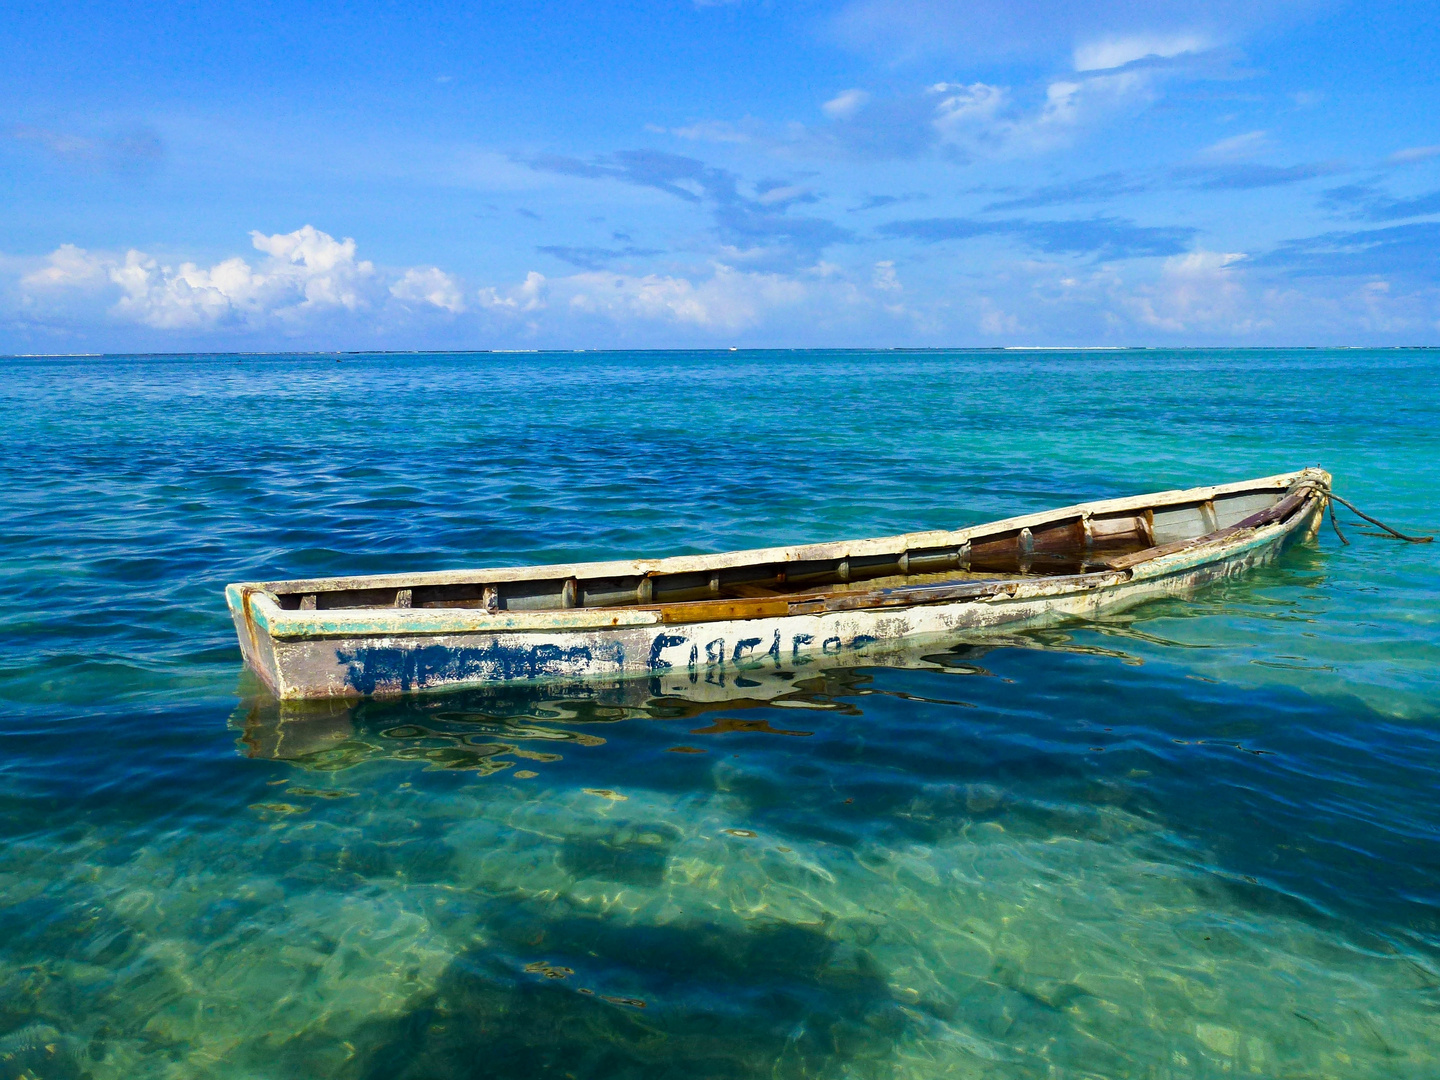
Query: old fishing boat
(698, 616)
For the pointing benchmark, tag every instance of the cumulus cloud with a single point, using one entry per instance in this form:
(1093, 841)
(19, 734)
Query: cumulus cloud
(1197, 291)
(430, 285)
(68, 266)
(532, 294)
(703, 304)
(297, 280)
(1086, 279)
(728, 299)
(884, 278)
(308, 271)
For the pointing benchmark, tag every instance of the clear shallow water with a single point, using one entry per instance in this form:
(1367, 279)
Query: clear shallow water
(1196, 840)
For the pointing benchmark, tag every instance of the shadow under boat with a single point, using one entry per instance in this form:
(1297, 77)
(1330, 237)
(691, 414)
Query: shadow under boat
(505, 726)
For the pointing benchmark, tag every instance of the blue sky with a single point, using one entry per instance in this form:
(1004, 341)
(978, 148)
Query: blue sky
(865, 173)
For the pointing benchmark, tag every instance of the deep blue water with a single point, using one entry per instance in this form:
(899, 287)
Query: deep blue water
(1198, 839)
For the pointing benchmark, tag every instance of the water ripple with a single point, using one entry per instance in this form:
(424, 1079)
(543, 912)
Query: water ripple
(1190, 840)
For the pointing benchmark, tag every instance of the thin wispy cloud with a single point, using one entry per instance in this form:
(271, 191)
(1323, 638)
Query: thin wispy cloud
(845, 104)
(879, 202)
(596, 258)
(1102, 33)
(1117, 51)
(1236, 147)
(1413, 155)
(128, 150)
(1106, 238)
(757, 229)
(963, 121)
(1090, 189)
(1369, 203)
(1250, 175)
(1411, 251)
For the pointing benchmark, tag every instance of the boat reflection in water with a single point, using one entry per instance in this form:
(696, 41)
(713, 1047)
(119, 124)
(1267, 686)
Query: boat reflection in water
(521, 727)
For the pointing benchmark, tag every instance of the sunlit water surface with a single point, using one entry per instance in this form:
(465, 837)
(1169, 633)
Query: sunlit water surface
(1196, 840)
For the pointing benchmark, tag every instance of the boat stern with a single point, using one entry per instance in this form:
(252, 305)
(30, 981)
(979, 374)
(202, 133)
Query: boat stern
(253, 631)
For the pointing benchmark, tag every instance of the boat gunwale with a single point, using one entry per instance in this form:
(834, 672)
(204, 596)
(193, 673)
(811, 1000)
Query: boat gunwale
(680, 564)
(280, 623)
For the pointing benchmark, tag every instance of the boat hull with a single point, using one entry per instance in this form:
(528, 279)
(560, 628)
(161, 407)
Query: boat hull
(348, 654)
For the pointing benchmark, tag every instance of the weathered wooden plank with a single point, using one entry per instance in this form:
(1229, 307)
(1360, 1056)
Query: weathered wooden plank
(717, 610)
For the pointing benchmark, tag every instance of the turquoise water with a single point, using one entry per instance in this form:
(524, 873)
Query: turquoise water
(1196, 840)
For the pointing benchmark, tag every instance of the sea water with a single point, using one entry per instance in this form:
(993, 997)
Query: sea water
(1198, 839)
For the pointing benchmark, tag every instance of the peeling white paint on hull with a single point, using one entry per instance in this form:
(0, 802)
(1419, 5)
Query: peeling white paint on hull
(359, 649)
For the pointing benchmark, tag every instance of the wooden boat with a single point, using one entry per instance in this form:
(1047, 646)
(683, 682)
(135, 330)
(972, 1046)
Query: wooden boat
(697, 616)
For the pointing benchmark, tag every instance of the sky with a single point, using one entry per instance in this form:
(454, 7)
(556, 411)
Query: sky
(672, 174)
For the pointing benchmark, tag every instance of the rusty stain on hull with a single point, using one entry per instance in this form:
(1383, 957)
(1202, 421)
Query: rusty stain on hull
(709, 615)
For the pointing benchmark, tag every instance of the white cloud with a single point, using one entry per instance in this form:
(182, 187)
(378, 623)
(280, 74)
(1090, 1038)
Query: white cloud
(905, 30)
(845, 104)
(306, 285)
(430, 285)
(323, 269)
(785, 194)
(68, 266)
(729, 300)
(188, 297)
(1113, 52)
(308, 271)
(995, 321)
(971, 120)
(699, 307)
(301, 276)
(963, 113)
(1198, 291)
(983, 120)
(716, 131)
(532, 294)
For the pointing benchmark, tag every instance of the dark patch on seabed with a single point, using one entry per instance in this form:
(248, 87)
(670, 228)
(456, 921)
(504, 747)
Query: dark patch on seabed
(653, 1001)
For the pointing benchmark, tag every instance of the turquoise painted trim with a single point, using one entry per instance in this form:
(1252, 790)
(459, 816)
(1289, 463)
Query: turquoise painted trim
(413, 622)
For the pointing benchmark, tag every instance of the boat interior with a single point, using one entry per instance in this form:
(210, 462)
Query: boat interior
(1072, 542)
